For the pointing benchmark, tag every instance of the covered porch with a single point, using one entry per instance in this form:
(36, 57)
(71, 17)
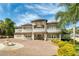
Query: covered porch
(39, 36)
(53, 36)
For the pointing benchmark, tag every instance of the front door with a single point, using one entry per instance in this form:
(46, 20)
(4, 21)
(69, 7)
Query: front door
(39, 36)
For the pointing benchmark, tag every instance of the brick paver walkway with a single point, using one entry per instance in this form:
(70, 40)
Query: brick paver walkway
(32, 48)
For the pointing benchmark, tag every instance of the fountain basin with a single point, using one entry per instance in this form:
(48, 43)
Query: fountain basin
(11, 47)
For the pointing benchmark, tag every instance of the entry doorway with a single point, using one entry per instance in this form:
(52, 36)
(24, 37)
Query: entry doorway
(39, 36)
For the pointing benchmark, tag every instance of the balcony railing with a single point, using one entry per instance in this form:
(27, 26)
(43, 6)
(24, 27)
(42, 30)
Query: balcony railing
(18, 30)
(53, 30)
(38, 30)
(27, 30)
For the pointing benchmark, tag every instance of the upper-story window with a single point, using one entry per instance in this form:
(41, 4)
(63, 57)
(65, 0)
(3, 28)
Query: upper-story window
(39, 26)
(18, 30)
(27, 28)
(51, 27)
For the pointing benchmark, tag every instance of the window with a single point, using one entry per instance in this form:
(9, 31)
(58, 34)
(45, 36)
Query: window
(18, 30)
(27, 28)
(49, 35)
(28, 35)
(52, 36)
(39, 26)
(18, 35)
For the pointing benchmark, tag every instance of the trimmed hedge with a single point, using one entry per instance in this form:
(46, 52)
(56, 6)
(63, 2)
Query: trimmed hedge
(65, 48)
(65, 37)
(55, 40)
(61, 43)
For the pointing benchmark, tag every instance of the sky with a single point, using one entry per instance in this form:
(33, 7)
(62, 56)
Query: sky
(22, 13)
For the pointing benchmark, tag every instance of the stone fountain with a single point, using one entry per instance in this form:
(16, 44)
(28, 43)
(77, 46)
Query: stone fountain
(8, 45)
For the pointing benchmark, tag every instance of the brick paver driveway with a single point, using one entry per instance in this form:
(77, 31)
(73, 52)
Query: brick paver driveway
(32, 48)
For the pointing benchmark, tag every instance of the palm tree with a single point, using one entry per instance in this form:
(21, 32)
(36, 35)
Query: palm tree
(71, 15)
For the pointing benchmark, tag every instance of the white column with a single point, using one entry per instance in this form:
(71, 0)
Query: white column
(22, 29)
(32, 36)
(45, 36)
(32, 32)
(22, 35)
(60, 36)
(45, 27)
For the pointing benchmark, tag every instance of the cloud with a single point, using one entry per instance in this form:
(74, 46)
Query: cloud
(1, 9)
(24, 13)
(35, 11)
(17, 9)
(30, 6)
(44, 9)
(26, 18)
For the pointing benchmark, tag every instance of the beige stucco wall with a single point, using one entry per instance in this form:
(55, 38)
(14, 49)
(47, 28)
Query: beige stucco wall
(22, 37)
(33, 30)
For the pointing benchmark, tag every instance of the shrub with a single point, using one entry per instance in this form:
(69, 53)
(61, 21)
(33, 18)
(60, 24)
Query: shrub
(55, 40)
(77, 41)
(71, 41)
(66, 50)
(61, 43)
(66, 37)
(77, 47)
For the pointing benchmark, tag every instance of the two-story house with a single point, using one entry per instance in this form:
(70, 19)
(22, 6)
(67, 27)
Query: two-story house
(39, 29)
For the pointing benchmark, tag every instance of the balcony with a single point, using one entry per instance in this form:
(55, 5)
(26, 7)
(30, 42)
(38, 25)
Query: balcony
(53, 30)
(39, 30)
(18, 30)
(23, 30)
(27, 30)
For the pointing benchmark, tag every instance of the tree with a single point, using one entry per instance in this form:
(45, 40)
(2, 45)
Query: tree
(9, 27)
(71, 15)
(2, 27)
